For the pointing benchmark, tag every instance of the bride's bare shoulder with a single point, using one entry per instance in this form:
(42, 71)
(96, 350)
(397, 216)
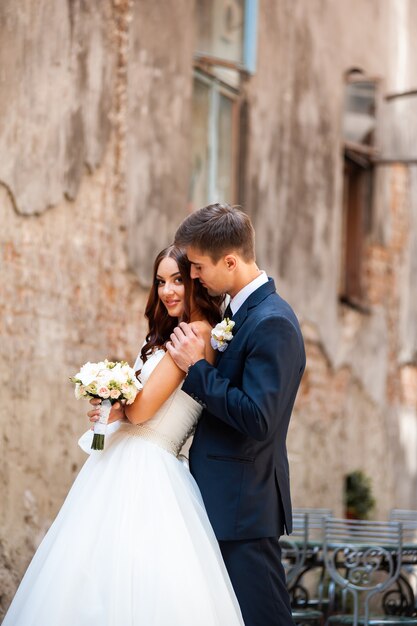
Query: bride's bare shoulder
(202, 327)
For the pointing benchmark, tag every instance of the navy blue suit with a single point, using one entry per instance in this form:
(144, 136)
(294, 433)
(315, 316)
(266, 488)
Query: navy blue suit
(239, 457)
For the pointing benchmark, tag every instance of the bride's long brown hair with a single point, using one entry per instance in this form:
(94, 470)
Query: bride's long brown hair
(161, 324)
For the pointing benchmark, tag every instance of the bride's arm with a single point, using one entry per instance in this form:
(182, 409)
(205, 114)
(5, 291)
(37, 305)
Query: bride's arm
(163, 381)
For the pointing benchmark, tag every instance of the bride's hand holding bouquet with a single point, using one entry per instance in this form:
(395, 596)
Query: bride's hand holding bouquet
(106, 383)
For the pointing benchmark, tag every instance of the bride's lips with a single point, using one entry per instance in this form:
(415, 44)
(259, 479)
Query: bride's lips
(170, 303)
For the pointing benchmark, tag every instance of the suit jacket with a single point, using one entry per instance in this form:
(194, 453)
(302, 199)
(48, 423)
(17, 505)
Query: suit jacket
(238, 456)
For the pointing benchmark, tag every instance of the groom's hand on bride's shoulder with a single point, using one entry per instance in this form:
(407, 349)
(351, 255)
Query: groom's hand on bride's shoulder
(187, 346)
(117, 411)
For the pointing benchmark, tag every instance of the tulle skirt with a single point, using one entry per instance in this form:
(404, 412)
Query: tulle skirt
(131, 546)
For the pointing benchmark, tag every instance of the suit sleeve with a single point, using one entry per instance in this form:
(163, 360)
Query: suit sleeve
(271, 373)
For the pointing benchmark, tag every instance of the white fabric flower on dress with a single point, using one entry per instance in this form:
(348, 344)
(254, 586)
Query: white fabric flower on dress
(221, 334)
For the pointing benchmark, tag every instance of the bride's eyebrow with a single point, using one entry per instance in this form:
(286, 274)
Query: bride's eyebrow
(171, 276)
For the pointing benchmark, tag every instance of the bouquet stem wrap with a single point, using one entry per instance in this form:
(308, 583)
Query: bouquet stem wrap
(101, 426)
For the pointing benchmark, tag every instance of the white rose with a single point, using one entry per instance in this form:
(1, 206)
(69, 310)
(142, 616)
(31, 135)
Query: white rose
(104, 377)
(88, 373)
(118, 375)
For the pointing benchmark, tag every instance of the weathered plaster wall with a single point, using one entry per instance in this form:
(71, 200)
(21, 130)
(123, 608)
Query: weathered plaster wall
(55, 96)
(93, 128)
(66, 297)
(336, 428)
(159, 110)
(294, 194)
(295, 166)
(408, 295)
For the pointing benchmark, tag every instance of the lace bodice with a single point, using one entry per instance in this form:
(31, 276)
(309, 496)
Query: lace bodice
(175, 420)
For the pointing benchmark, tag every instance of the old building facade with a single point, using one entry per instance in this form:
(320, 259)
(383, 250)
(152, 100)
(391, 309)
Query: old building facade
(128, 115)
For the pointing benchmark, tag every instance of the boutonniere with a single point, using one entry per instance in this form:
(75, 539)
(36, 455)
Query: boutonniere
(221, 334)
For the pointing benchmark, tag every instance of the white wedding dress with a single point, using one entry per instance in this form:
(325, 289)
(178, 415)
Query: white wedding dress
(132, 544)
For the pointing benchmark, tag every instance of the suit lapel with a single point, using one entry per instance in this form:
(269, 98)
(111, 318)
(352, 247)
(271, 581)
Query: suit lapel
(260, 294)
(254, 299)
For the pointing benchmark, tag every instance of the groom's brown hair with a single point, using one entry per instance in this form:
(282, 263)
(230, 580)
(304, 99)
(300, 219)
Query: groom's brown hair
(216, 230)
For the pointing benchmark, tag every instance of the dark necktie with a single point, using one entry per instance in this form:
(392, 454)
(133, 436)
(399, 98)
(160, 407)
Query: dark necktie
(228, 312)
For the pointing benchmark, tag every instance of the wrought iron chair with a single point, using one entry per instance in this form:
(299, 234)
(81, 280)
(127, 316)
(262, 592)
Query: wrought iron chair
(313, 562)
(363, 559)
(294, 548)
(298, 553)
(408, 576)
(315, 517)
(408, 520)
(403, 515)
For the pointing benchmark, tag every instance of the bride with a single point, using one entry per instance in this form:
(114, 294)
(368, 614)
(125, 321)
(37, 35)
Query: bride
(132, 544)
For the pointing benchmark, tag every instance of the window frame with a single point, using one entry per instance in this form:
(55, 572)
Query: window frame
(217, 88)
(358, 173)
(249, 45)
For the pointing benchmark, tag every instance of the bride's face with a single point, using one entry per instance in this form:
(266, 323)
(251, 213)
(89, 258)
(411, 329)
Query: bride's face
(170, 287)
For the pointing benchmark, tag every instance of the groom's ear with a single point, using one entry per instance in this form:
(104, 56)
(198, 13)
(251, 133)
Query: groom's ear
(230, 261)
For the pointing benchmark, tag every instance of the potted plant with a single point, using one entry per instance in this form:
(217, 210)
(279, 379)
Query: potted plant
(359, 501)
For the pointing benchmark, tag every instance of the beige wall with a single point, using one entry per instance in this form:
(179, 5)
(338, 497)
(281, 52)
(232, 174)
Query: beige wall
(92, 122)
(351, 411)
(158, 120)
(94, 165)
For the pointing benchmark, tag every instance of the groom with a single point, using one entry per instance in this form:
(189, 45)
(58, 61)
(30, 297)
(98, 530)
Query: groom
(238, 456)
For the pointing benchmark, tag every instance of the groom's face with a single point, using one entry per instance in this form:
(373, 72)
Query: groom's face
(215, 277)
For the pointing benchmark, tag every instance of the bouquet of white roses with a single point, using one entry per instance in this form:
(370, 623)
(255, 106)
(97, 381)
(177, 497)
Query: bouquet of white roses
(111, 382)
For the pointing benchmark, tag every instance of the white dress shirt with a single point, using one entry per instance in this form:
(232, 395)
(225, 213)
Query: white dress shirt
(243, 294)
